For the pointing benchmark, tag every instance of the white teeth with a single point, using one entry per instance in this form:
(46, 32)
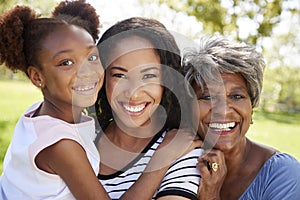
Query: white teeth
(84, 88)
(222, 126)
(134, 109)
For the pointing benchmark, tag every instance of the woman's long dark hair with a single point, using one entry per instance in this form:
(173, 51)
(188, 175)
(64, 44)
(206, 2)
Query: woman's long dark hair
(169, 53)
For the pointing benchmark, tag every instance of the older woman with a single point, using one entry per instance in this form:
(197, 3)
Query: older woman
(227, 80)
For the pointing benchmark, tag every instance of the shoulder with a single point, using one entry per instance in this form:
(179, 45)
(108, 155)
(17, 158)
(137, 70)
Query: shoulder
(279, 178)
(182, 178)
(281, 160)
(284, 163)
(281, 167)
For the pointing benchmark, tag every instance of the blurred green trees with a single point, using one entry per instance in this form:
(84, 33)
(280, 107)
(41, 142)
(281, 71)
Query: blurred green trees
(272, 25)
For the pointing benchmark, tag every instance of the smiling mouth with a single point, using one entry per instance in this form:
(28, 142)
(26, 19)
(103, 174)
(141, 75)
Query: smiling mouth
(222, 127)
(134, 108)
(85, 88)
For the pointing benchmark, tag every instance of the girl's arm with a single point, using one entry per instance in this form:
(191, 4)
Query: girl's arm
(68, 159)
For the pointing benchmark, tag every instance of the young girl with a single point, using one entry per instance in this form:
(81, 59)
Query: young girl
(146, 96)
(52, 154)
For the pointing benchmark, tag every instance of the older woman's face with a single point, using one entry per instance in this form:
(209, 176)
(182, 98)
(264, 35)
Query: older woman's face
(225, 111)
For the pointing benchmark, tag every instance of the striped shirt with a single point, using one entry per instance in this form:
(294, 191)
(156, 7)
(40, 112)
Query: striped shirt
(181, 179)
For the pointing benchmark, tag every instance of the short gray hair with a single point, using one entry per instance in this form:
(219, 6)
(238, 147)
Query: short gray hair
(218, 54)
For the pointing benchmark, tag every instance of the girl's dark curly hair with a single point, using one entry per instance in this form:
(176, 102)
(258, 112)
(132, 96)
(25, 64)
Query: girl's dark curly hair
(169, 53)
(79, 13)
(22, 31)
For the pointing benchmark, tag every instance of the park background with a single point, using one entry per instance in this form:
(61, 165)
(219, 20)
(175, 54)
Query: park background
(271, 25)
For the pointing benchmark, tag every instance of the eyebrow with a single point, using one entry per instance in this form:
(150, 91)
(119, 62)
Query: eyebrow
(70, 50)
(148, 69)
(125, 70)
(119, 68)
(240, 88)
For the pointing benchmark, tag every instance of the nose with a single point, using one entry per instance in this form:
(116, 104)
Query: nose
(221, 106)
(87, 68)
(133, 89)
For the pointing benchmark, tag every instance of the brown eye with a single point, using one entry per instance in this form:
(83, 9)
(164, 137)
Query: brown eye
(93, 58)
(119, 75)
(66, 63)
(237, 96)
(147, 76)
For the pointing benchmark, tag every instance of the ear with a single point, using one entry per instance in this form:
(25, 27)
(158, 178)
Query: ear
(36, 76)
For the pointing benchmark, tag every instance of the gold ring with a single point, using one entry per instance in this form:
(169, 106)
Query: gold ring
(215, 166)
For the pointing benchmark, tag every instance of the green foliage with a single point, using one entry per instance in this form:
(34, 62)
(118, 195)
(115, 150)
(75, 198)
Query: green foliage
(281, 91)
(44, 7)
(224, 18)
(214, 20)
(282, 80)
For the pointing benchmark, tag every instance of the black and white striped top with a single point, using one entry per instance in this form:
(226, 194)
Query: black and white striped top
(181, 179)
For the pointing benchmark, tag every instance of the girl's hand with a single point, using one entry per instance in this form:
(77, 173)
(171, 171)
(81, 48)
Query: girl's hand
(213, 170)
(180, 142)
(176, 143)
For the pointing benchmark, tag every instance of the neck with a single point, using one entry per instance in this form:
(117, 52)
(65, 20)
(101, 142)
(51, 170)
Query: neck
(130, 139)
(67, 112)
(236, 160)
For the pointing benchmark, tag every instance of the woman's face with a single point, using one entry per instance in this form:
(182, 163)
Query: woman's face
(72, 73)
(225, 111)
(133, 82)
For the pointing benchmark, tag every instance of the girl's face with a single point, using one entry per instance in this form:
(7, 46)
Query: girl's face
(72, 73)
(225, 112)
(133, 82)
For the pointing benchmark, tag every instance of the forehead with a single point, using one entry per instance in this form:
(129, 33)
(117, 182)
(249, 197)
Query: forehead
(65, 37)
(134, 53)
(223, 80)
(128, 45)
(233, 78)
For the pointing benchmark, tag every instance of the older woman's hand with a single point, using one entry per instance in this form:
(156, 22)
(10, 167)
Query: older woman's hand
(213, 171)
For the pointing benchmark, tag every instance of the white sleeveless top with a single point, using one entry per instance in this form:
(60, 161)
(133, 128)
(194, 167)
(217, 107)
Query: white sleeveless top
(21, 178)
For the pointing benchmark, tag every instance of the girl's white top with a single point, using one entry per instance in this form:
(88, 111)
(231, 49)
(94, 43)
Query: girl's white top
(21, 178)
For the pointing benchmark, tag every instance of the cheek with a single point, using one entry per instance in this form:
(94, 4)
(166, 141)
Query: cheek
(200, 114)
(245, 110)
(155, 91)
(109, 87)
(204, 109)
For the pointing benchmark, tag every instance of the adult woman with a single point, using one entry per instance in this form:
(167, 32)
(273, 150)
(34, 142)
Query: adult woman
(142, 87)
(227, 79)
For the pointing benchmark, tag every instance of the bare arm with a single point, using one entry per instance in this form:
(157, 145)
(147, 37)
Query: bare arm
(168, 151)
(68, 159)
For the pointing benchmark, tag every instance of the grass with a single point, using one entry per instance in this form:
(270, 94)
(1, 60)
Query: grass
(16, 97)
(279, 130)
